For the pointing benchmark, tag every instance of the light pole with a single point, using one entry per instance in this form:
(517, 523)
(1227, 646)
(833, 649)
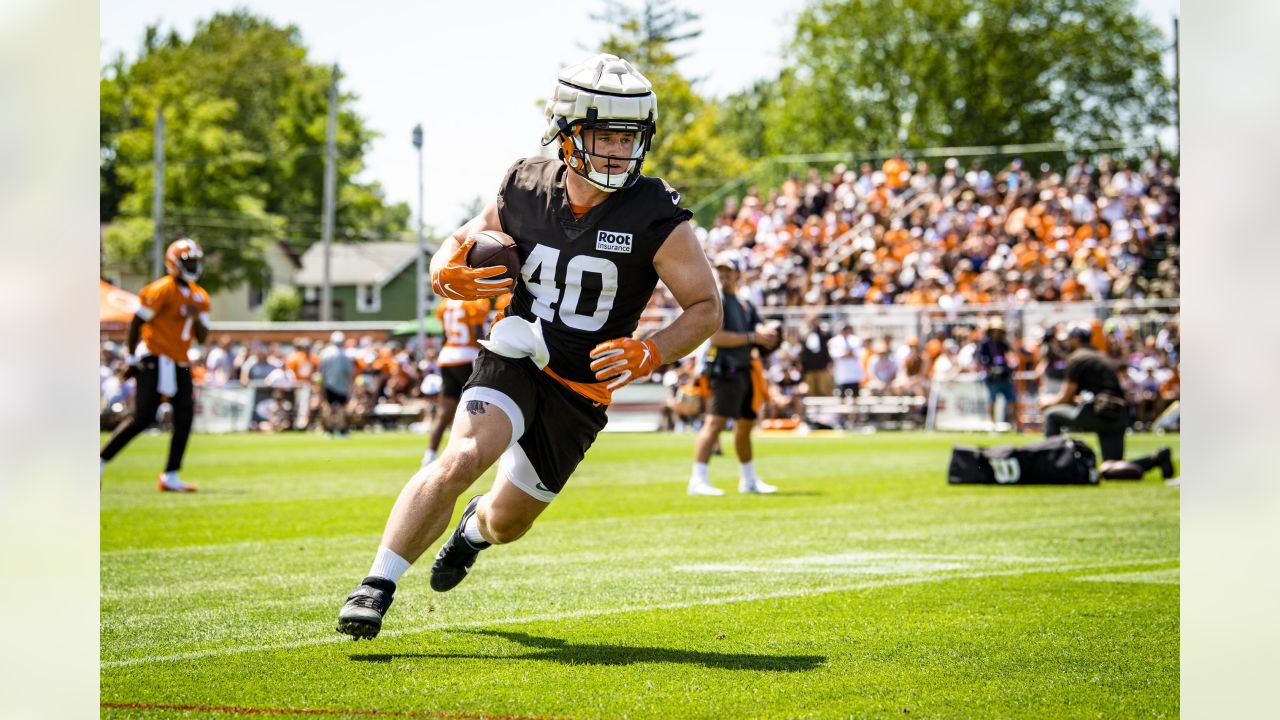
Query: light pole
(422, 252)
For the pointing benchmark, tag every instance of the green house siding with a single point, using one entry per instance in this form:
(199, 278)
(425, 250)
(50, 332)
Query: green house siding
(399, 299)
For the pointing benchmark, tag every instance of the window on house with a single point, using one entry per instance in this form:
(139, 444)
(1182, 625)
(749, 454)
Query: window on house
(368, 298)
(258, 294)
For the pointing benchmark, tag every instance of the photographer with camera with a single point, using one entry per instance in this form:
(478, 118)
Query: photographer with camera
(734, 386)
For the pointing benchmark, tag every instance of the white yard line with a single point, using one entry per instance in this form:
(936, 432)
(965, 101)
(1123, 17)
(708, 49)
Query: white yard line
(1163, 576)
(598, 612)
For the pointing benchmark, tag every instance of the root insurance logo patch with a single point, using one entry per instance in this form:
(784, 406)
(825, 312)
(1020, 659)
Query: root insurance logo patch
(610, 241)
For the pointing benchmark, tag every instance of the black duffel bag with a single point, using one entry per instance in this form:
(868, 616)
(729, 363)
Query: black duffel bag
(1058, 460)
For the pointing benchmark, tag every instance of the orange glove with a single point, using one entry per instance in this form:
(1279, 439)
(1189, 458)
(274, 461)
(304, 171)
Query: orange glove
(624, 360)
(457, 281)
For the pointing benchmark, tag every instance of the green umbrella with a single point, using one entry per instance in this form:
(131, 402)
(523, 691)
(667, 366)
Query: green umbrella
(430, 326)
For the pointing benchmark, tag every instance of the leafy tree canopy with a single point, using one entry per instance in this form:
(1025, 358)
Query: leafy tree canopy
(862, 74)
(245, 116)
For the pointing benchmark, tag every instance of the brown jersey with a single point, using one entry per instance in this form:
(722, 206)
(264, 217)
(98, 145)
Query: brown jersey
(170, 308)
(588, 279)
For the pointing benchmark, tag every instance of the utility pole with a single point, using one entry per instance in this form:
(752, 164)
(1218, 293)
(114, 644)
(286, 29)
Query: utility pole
(1177, 97)
(422, 252)
(157, 197)
(326, 291)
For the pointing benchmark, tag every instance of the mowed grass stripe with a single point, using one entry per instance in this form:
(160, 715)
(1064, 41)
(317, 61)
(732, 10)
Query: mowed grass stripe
(227, 598)
(596, 612)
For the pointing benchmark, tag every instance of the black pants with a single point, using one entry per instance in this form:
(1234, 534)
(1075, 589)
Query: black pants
(144, 413)
(1082, 418)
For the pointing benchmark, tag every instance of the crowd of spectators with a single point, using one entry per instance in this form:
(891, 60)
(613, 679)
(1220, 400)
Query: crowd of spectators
(900, 234)
(853, 362)
(904, 234)
(385, 375)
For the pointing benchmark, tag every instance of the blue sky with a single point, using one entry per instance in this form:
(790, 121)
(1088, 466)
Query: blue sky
(474, 74)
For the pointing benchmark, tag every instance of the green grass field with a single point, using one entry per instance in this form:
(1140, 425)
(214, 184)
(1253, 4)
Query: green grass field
(866, 588)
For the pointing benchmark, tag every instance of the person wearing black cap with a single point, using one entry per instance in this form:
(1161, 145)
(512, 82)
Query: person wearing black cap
(1107, 413)
(728, 371)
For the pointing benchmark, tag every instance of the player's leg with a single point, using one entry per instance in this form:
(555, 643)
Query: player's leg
(444, 418)
(340, 414)
(502, 515)
(491, 421)
(712, 425)
(422, 511)
(558, 429)
(144, 413)
(183, 415)
(748, 482)
(1135, 468)
(1060, 417)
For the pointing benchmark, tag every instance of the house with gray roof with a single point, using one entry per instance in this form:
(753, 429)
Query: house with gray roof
(370, 280)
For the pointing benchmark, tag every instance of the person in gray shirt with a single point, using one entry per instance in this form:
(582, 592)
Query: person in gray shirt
(336, 371)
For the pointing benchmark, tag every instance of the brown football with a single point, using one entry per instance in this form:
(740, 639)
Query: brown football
(495, 248)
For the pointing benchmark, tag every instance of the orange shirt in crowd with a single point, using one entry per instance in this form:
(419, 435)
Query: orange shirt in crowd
(170, 308)
(893, 172)
(302, 363)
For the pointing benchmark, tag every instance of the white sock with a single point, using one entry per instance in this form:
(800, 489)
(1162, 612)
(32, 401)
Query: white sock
(747, 471)
(699, 473)
(170, 477)
(428, 457)
(471, 531)
(387, 564)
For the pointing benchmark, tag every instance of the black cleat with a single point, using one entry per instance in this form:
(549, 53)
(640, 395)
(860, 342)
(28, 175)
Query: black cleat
(457, 555)
(361, 615)
(1164, 461)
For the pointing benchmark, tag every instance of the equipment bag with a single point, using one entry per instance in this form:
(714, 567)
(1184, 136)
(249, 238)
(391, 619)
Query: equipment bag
(1058, 460)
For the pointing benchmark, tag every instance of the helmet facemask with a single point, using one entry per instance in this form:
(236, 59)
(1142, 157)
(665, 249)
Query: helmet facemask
(192, 267)
(185, 259)
(609, 166)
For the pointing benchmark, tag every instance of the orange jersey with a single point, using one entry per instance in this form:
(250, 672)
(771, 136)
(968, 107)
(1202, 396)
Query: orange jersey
(459, 320)
(302, 364)
(170, 309)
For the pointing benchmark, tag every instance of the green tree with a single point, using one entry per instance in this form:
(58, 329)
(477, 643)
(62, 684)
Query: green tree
(686, 152)
(912, 73)
(245, 118)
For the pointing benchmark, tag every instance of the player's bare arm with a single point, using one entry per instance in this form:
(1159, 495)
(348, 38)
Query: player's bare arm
(198, 326)
(684, 269)
(135, 334)
(486, 220)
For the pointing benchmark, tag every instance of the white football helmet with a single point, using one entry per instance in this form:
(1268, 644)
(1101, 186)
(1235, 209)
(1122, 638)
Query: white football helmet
(603, 92)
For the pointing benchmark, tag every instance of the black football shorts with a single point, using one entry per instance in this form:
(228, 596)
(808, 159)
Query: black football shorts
(452, 378)
(553, 425)
(731, 395)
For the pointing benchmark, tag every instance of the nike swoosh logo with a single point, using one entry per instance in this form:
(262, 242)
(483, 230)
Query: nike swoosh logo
(542, 487)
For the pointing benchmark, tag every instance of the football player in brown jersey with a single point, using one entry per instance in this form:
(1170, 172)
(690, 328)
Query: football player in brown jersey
(172, 311)
(594, 236)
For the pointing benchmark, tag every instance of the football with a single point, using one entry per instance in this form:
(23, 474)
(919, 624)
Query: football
(495, 248)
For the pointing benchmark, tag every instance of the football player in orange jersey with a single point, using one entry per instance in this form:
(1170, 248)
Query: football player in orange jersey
(463, 323)
(172, 311)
